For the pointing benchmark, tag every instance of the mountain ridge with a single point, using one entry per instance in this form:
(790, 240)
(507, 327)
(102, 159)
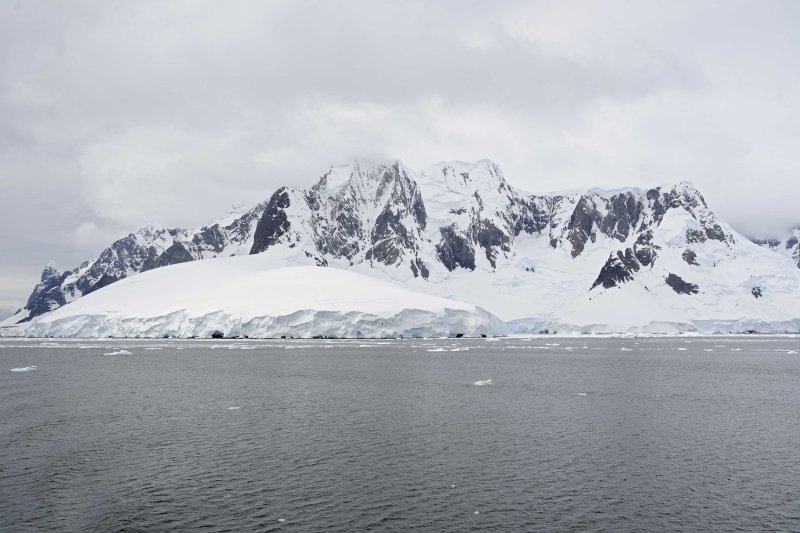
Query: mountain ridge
(461, 230)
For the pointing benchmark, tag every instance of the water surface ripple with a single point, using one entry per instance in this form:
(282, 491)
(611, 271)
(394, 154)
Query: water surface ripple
(676, 434)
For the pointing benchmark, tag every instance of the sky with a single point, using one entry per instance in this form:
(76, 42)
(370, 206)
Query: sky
(114, 115)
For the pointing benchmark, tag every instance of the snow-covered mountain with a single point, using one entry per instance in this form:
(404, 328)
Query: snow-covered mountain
(148, 248)
(788, 245)
(598, 260)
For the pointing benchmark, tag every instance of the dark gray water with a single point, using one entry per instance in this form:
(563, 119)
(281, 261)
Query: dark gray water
(572, 434)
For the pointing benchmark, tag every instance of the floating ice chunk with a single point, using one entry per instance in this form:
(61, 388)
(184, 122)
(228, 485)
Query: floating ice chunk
(708, 350)
(582, 394)
(281, 520)
(452, 486)
(477, 512)
(119, 352)
(682, 349)
(464, 349)
(483, 382)
(624, 349)
(234, 408)
(791, 351)
(437, 350)
(31, 368)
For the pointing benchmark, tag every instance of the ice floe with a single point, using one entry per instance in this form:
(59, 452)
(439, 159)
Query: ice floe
(31, 368)
(119, 352)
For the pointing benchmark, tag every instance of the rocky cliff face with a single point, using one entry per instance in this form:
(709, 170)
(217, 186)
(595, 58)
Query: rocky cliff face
(460, 230)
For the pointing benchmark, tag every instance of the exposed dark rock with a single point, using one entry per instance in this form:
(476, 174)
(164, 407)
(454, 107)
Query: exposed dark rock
(769, 243)
(580, 225)
(346, 235)
(657, 204)
(389, 238)
(454, 250)
(757, 293)
(418, 268)
(47, 294)
(690, 257)
(715, 232)
(644, 249)
(695, 236)
(623, 214)
(320, 261)
(177, 253)
(274, 223)
(617, 217)
(217, 334)
(680, 286)
(532, 215)
(210, 237)
(618, 269)
(490, 237)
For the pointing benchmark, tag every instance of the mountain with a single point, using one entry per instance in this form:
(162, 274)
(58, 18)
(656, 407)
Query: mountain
(593, 261)
(788, 245)
(215, 298)
(148, 248)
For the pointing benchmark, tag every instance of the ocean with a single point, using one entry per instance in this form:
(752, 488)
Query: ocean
(537, 434)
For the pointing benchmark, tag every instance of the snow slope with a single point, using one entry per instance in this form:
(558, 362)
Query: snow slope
(242, 296)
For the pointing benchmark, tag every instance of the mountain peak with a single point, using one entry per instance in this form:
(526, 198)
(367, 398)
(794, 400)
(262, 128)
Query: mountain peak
(50, 271)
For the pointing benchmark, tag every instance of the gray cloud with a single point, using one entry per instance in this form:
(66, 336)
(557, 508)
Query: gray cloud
(117, 114)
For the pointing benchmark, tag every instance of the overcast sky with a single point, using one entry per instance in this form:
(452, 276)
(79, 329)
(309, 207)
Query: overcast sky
(118, 114)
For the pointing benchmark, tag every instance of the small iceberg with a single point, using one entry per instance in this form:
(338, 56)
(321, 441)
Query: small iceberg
(25, 369)
(119, 352)
(482, 383)
(437, 350)
(234, 408)
(623, 349)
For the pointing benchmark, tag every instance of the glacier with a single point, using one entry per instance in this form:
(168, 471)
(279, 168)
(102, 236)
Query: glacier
(239, 297)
